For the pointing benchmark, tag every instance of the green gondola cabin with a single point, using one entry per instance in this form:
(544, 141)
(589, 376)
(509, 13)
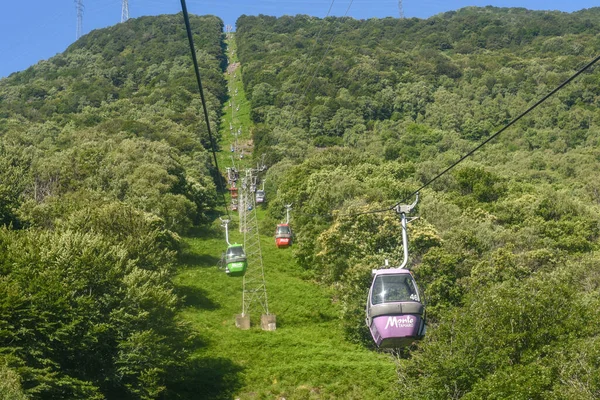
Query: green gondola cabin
(235, 259)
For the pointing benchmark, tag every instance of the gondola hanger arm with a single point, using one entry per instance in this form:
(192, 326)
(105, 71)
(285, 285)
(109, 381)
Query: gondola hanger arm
(407, 208)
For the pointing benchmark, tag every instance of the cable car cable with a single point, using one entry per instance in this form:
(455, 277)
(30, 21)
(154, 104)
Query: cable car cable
(453, 165)
(542, 100)
(206, 119)
(471, 152)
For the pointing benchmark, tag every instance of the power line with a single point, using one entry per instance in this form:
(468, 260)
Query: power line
(308, 58)
(186, 18)
(319, 65)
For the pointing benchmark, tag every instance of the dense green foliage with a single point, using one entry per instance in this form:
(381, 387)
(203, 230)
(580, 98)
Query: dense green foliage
(505, 247)
(115, 116)
(102, 164)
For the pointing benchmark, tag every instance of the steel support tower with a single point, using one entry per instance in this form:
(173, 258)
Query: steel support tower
(125, 11)
(255, 289)
(254, 293)
(400, 9)
(79, 7)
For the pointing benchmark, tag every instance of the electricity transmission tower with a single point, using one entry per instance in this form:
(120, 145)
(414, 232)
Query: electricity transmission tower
(400, 9)
(125, 11)
(79, 7)
(254, 292)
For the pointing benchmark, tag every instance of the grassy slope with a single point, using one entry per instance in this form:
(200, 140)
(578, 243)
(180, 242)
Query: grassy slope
(306, 357)
(238, 118)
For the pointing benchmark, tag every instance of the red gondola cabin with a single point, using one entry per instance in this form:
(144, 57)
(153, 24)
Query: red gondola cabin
(283, 236)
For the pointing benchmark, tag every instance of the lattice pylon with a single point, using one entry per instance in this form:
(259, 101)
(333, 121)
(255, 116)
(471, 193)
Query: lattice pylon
(254, 287)
(124, 10)
(79, 7)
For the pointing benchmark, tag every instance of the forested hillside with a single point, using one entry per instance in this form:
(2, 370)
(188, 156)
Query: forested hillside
(355, 115)
(103, 170)
(102, 167)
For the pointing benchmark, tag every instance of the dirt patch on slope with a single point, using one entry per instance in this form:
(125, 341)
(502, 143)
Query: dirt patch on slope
(232, 67)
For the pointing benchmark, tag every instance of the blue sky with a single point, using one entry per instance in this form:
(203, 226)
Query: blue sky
(34, 30)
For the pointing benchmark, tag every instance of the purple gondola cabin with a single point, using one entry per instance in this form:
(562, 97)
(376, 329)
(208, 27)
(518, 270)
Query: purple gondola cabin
(395, 313)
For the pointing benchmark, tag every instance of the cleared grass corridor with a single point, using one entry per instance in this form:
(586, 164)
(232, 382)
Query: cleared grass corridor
(307, 357)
